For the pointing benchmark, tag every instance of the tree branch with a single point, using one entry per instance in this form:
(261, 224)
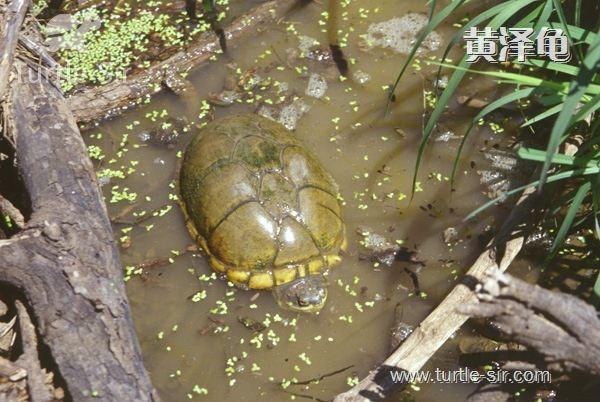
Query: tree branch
(563, 328)
(13, 19)
(29, 359)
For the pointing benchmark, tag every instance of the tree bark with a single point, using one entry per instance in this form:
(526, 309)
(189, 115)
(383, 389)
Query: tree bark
(562, 328)
(65, 262)
(13, 19)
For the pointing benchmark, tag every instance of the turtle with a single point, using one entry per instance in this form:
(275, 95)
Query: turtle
(263, 209)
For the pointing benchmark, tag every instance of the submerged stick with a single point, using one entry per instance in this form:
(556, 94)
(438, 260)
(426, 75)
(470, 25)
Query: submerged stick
(113, 98)
(332, 36)
(323, 376)
(445, 320)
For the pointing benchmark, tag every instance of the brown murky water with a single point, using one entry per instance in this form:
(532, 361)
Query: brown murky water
(187, 320)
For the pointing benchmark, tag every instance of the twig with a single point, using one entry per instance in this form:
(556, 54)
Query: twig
(332, 35)
(14, 17)
(120, 218)
(321, 377)
(11, 370)
(40, 51)
(162, 261)
(29, 359)
(445, 320)
(13, 212)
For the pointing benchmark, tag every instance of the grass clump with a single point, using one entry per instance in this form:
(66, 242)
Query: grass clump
(569, 96)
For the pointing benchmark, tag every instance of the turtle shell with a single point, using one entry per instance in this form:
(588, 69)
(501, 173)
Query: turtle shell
(259, 204)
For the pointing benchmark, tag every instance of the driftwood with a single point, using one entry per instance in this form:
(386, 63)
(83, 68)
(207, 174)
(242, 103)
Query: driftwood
(562, 328)
(119, 95)
(445, 320)
(13, 19)
(7, 208)
(29, 360)
(65, 262)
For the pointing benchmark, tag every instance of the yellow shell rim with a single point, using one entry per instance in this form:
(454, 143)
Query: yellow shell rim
(274, 276)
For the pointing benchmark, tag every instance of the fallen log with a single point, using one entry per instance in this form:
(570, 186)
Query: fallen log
(65, 262)
(113, 98)
(12, 21)
(562, 328)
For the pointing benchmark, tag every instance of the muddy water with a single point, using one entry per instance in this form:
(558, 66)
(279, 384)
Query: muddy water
(187, 321)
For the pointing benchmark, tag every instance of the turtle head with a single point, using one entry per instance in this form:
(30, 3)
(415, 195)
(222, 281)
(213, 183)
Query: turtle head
(304, 295)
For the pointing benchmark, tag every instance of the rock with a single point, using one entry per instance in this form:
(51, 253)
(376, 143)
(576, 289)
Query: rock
(400, 330)
(223, 98)
(361, 77)
(252, 324)
(306, 43)
(317, 86)
(290, 114)
(450, 235)
(167, 134)
(399, 34)
(380, 249)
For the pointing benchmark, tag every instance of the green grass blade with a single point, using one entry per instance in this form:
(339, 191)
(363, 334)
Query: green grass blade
(565, 26)
(550, 100)
(554, 66)
(544, 115)
(542, 20)
(509, 11)
(516, 78)
(587, 109)
(567, 223)
(478, 19)
(596, 206)
(553, 178)
(432, 4)
(538, 155)
(530, 18)
(505, 100)
(443, 100)
(578, 34)
(578, 88)
(435, 21)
